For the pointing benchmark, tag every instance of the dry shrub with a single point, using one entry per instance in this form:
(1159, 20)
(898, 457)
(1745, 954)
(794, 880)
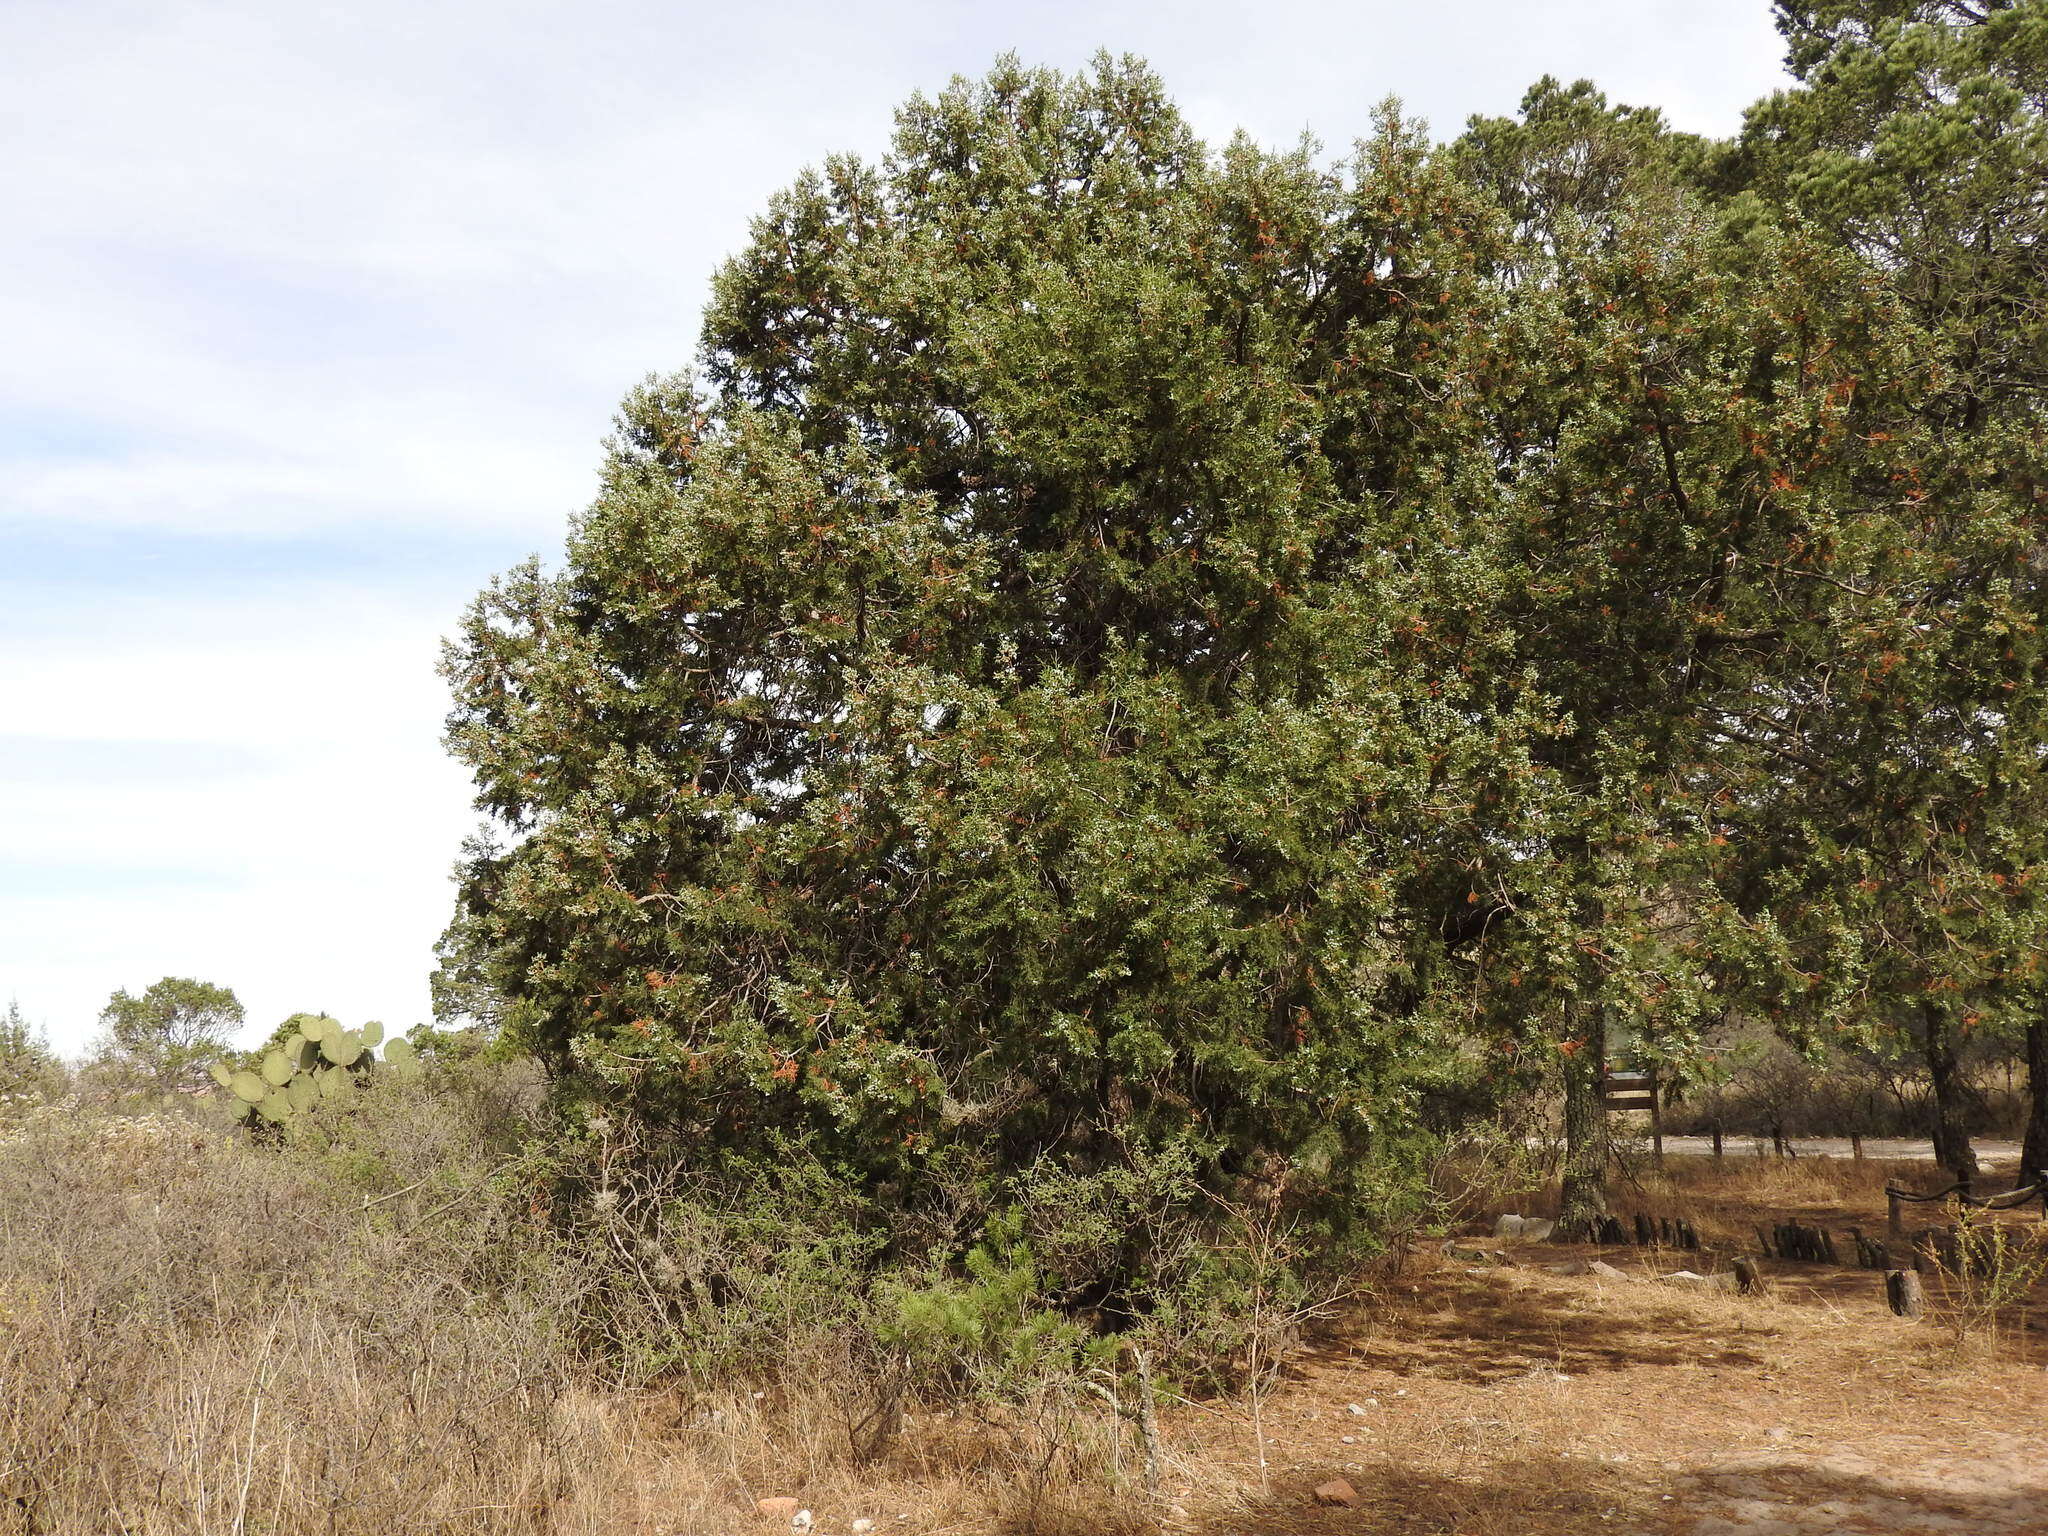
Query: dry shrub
(1491, 1169)
(199, 1335)
(379, 1328)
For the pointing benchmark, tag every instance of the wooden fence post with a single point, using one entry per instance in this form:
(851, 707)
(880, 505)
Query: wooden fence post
(1656, 1118)
(1894, 1225)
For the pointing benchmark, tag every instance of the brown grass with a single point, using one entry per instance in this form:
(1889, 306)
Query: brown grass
(198, 1336)
(201, 1336)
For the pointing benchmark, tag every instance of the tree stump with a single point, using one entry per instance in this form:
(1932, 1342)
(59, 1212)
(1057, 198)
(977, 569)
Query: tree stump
(1902, 1291)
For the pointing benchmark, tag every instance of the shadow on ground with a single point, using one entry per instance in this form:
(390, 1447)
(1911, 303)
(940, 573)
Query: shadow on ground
(1499, 1333)
(1551, 1496)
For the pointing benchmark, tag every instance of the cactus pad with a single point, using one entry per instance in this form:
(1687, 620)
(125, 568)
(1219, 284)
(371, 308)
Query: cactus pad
(248, 1087)
(341, 1048)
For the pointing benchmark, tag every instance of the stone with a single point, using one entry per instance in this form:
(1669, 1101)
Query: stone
(1538, 1229)
(1337, 1491)
(777, 1509)
(1605, 1270)
(1721, 1282)
(1508, 1226)
(862, 1527)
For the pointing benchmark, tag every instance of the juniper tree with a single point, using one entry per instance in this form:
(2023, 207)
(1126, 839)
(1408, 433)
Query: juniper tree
(1672, 362)
(1911, 851)
(1022, 694)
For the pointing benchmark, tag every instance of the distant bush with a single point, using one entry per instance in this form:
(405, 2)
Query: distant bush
(30, 1072)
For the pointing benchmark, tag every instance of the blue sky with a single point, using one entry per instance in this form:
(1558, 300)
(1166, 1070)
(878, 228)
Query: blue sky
(316, 317)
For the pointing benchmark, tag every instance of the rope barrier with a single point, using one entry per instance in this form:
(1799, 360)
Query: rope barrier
(1960, 1191)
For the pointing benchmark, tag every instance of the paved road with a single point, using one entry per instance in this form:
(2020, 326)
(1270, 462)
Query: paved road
(1905, 1149)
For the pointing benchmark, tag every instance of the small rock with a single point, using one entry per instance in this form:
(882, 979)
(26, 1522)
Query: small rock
(1605, 1270)
(777, 1509)
(862, 1527)
(800, 1521)
(1538, 1229)
(1337, 1491)
(1349, 1439)
(1723, 1282)
(1508, 1226)
(1353, 1408)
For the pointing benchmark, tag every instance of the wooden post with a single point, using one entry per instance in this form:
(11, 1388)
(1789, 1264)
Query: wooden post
(1902, 1291)
(1749, 1279)
(1656, 1119)
(1894, 1225)
(1717, 1158)
(1856, 1145)
(1148, 1425)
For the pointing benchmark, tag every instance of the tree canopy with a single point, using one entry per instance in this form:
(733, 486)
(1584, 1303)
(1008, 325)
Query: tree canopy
(174, 1030)
(1124, 648)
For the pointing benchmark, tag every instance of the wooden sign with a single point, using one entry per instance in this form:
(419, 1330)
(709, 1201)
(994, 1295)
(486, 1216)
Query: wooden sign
(1629, 1090)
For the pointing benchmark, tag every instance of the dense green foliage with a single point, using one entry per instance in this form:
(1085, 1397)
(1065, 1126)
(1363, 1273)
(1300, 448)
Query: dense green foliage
(1028, 695)
(1132, 656)
(173, 1032)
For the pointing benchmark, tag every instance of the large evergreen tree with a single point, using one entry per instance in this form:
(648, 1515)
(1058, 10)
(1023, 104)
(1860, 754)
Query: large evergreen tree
(1909, 853)
(1025, 692)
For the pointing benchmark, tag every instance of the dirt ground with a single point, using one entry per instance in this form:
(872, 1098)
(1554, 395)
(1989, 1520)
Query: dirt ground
(1490, 1400)
(1472, 1397)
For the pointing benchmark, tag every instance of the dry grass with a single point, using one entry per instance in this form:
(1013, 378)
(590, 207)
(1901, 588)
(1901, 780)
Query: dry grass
(383, 1335)
(198, 1336)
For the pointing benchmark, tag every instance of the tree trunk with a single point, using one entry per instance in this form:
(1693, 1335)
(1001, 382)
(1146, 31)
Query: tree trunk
(1583, 1198)
(1952, 1147)
(2034, 1155)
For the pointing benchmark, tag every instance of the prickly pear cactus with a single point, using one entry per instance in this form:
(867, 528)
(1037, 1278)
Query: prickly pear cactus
(313, 1062)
